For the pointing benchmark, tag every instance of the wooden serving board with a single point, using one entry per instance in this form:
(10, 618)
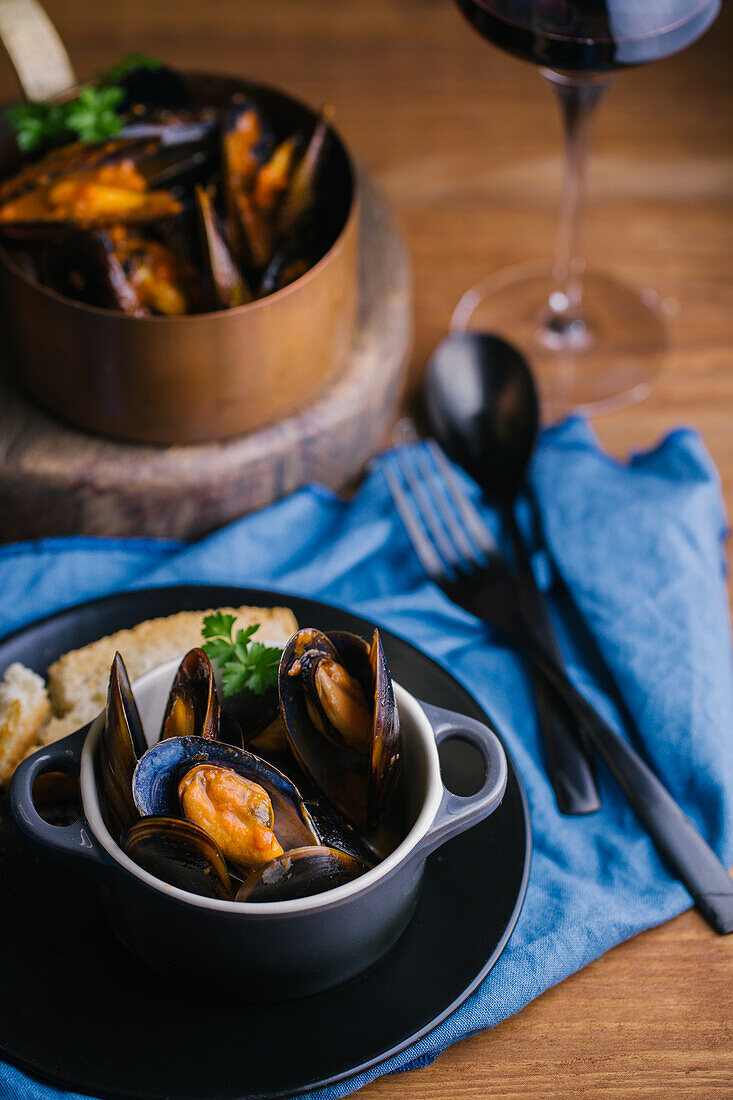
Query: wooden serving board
(55, 480)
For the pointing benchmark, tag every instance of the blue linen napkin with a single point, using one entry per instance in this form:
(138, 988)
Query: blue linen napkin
(639, 547)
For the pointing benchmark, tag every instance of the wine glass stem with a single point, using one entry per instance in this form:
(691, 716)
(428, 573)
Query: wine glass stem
(577, 97)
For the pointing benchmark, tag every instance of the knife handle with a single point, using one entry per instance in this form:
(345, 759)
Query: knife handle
(568, 763)
(677, 840)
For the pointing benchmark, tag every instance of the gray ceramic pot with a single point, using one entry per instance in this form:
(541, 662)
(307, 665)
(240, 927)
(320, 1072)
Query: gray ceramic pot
(276, 949)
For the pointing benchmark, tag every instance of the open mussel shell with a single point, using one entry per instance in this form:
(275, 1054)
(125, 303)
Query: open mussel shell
(350, 748)
(192, 709)
(248, 140)
(95, 187)
(73, 158)
(385, 761)
(386, 757)
(163, 281)
(302, 194)
(113, 270)
(225, 285)
(179, 853)
(247, 144)
(83, 265)
(178, 164)
(336, 768)
(297, 236)
(121, 744)
(160, 770)
(301, 873)
(332, 827)
(336, 832)
(274, 177)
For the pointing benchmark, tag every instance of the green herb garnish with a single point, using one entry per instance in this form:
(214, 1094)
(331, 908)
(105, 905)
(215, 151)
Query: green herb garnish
(91, 117)
(243, 663)
(133, 61)
(34, 123)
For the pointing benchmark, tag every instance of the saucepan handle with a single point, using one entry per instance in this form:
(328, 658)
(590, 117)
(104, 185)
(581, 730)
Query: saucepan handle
(35, 49)
(457, 813)
(72, 843)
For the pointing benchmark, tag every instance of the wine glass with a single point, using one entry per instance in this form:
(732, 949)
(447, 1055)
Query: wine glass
(594, 342)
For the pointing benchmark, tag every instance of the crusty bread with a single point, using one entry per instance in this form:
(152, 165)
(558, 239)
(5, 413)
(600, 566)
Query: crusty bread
(77, 682)
(24, 707)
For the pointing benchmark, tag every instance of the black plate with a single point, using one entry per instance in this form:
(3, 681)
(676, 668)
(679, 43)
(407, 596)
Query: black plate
(79, 1011)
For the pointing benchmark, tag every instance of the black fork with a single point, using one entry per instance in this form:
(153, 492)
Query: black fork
(443, 526)
(462, 552)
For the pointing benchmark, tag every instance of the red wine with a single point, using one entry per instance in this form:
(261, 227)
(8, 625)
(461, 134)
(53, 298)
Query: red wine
(590, 35)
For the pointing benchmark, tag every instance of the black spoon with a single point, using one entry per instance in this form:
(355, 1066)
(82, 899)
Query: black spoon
(483, 409)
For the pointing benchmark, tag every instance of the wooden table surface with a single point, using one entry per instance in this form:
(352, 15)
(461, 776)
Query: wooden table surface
(465, 142)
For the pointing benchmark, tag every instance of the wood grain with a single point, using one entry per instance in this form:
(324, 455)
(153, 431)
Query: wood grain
(465, 141)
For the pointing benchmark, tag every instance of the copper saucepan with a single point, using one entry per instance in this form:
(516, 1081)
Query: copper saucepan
(177, 379)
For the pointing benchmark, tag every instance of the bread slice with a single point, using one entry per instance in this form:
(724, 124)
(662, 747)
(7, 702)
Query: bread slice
(24, 708)
(77, 682)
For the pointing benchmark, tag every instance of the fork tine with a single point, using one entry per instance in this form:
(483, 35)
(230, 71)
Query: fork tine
(421, 544)
(477, 529)
(428, 508)
(448, 515)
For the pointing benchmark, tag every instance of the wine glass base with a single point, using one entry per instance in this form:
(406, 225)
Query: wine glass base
(602, 361)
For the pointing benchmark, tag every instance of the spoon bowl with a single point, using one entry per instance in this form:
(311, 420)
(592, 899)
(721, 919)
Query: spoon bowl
(483, 408)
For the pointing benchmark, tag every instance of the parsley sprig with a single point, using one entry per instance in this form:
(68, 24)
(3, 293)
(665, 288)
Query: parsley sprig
(243, 663)
(34, 123)
(92, 116)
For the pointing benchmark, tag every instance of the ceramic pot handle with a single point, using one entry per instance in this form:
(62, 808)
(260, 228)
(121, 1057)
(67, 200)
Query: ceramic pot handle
(457, 813)
(72, 843)
(35, 49)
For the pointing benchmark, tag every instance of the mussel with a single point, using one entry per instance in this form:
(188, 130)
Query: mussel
(179, 853)
(258, 208)
(88, 269)
(192, 709)
(74, 158)
(121, 744)
(342, 721)
(264, 733)
(300, 873)
(300, 197)
(234, 810)
(155, 784)
(331, 825)
(226, 286)
(162, 281)
(295, 232)
(257, 178)
(273, 179)
(96, 190)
